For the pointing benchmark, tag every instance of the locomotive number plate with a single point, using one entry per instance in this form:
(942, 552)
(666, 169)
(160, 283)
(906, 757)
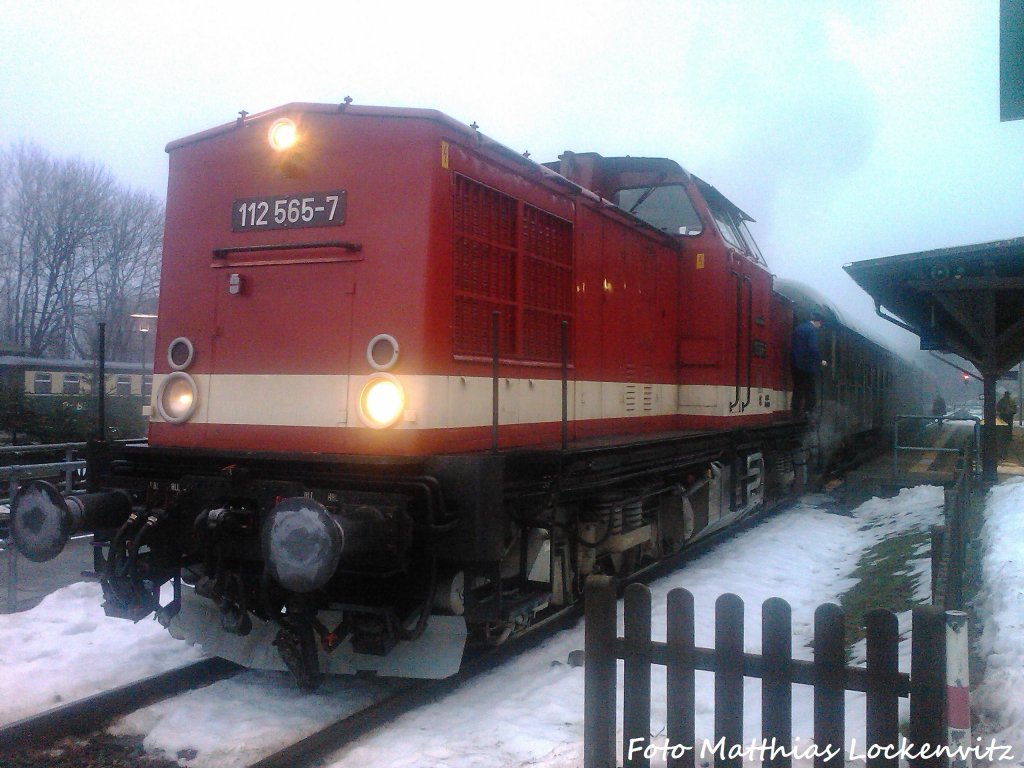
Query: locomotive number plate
(307, 209)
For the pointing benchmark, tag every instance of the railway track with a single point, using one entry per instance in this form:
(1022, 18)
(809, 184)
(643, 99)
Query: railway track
(311, 749)
(38, 732)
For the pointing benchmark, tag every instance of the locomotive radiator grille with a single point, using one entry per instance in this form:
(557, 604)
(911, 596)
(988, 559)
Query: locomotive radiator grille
(511, 258)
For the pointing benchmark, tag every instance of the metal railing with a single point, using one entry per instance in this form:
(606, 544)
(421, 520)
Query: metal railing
(72, 468)
(953, 542)
(897, 448)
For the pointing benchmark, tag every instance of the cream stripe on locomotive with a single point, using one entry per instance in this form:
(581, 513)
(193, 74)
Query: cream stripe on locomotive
(455, 401)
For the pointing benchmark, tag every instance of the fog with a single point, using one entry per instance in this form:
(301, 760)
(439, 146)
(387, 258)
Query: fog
(848, 130)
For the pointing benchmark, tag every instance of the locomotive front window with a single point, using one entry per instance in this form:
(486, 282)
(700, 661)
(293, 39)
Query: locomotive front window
(667, 208)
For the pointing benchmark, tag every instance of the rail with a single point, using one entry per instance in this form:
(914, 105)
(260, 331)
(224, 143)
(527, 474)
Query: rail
(897, 448)
(95, 711)
(44, 448)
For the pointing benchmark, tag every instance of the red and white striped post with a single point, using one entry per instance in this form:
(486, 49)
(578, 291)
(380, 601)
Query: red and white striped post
(958, 697)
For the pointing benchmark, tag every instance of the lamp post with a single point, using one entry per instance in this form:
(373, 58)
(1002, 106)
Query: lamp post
(144, 324)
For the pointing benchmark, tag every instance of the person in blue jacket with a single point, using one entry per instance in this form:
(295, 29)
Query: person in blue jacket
(806, 362)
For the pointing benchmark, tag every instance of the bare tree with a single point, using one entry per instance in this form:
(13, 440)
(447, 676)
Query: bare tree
(123, 273)
(76, 248)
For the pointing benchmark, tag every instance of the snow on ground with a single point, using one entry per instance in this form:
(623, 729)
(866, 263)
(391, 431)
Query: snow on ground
(528, 712)
(66, 648)
(999, 700)
(236, 721)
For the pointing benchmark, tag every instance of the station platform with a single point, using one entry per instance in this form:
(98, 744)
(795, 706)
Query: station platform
(878, 477)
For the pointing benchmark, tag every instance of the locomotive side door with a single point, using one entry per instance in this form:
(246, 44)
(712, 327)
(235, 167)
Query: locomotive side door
(751, 316)
(755, 321)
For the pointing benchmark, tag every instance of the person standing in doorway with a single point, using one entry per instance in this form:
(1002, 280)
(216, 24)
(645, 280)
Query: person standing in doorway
(806, 361)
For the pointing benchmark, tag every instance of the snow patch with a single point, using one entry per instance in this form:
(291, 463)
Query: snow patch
(998, 700)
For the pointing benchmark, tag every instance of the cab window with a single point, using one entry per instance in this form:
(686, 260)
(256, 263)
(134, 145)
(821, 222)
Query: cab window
(667, 208)
(751, 243)
(727, 228)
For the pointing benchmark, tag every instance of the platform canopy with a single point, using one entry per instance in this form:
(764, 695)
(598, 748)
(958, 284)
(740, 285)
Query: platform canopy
(968, 300)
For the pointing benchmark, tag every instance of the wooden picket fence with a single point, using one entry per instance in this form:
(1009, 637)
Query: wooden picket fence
(828, 673)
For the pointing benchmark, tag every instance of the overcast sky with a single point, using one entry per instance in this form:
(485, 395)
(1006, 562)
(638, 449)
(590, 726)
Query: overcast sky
(849, 130)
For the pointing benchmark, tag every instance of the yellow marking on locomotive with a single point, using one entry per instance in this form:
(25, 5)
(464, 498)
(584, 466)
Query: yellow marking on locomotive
(444, 155)
(700, 261)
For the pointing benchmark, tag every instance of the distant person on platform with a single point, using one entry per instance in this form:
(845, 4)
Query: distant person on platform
(806, 362)
(1006, 408)
(938, 408)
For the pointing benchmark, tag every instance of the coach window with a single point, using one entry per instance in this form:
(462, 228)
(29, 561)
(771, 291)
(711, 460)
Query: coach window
(123, 385)
(42, 384)
(72, 384)
(667, 208)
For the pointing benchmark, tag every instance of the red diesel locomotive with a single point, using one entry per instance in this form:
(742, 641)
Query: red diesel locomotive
(412, 388)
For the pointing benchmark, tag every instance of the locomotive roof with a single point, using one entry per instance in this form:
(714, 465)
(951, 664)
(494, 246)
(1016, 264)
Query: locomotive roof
(324, 109)
(550, 169)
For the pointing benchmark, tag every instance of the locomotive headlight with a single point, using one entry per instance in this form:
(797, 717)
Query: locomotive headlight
(382, 401)
(283, 134)
(176, 398)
